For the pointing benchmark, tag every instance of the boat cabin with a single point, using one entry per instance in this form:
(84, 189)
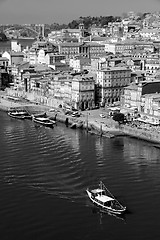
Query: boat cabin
(100, 197)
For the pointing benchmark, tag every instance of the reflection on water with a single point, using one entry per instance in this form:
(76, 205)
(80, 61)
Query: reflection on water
(69, 137)
(99, 147)
(44, 174)
(143, 158)
(147, 153)
(102, 214)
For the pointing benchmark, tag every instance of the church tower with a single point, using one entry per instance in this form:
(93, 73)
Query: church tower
(81, 32)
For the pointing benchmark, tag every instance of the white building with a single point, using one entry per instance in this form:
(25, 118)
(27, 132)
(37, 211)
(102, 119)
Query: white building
(77, 63)
(41, 57)
(110, 83)
(83, 92)
(8, 56)
(15, 46)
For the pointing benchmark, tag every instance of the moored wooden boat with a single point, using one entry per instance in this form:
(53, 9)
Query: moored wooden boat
(52, 120)
(104, 199)
(45, 121)
(20, 114)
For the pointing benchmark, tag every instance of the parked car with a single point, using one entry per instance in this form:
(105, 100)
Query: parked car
(75, 114)
(68, 112)
(102, 115)
(96, 107)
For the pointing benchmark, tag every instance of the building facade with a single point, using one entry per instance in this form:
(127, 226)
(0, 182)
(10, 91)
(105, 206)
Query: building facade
(83, 92)
(88, 49)
(136, 95)
(110, 83)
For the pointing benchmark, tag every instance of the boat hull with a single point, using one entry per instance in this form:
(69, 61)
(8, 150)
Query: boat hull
(19, 115)
(49, 124)
(108, 209)
(16, 116)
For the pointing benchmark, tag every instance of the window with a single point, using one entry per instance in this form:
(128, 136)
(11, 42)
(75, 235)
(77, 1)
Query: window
(37, 84)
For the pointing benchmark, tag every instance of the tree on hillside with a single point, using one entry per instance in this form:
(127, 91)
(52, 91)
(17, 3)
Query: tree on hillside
(3, 37)
(74, 24)
(119, 117)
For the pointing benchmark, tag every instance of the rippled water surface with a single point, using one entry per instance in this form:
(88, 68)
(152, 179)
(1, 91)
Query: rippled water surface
(44, 174)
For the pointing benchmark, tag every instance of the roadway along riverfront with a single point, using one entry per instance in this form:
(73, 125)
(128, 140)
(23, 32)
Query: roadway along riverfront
(104, 125)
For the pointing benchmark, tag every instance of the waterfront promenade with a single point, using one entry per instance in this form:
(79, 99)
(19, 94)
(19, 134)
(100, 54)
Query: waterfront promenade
(90, 119)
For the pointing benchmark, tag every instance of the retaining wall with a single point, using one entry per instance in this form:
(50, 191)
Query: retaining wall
(144, 134)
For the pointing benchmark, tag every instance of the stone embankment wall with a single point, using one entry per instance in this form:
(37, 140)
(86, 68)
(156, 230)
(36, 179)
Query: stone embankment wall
(110, 130)
(141, 133)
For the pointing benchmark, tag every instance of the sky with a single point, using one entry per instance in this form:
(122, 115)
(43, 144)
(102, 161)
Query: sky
(64, 11)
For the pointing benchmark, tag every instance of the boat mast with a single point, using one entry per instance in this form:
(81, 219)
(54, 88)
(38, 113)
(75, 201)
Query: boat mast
(101, 185)
(111, 194)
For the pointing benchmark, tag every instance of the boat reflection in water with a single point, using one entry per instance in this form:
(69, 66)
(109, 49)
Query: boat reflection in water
(102, 213)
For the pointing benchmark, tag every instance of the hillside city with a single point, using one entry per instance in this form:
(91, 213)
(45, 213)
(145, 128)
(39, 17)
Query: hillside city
(116, 65)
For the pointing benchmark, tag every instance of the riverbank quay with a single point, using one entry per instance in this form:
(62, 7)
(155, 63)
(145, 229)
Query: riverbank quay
(150, 135)
(107, 127)
(88, 120)
(7, 102)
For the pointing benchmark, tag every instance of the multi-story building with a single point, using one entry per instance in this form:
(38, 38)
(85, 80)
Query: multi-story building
(146, 46)
(134, 94)
(60, 87)
(52, 58)
(151, 104)
(15, 46)
(71, 32)
(152, 64)
(41, 57)
(110, 83)
(63, 34)
(36, 54)
(31, 56)
(45, 45)
(8, 56)
(128, 47)
(77, 91)
(5, 78)
(71, 49)
(17, 72)
(88, 49)
(119, 47)
(149, 33)
(83, 92)
(29, 83)
(145, 97)
(77, 63)
(4, 61)
(95, 49)
(115, 28)
(61, 67)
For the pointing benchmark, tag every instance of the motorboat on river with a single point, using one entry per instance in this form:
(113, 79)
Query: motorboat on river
(104, 199)
(45, 121)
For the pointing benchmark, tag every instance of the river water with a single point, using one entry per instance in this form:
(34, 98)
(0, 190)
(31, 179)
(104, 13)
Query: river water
(6, 46)
(44, 174)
